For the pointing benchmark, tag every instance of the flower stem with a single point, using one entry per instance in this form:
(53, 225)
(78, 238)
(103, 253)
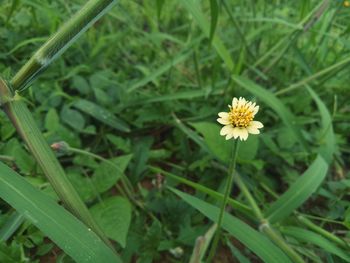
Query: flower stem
(228, 189)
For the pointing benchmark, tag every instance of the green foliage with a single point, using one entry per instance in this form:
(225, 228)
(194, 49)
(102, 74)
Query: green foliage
(142, 89)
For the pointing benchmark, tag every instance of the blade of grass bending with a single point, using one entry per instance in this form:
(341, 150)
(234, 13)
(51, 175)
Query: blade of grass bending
(281, 110)
(60, 41)
(235, 204)
(299, 192)
(328, 143)
(251, 238)
(58, 224)
(22, 119)
(316, 239)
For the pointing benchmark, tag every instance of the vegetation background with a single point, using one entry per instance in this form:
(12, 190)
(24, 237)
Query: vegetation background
(142, 89)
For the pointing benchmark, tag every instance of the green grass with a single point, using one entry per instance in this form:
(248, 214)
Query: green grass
(136, 97)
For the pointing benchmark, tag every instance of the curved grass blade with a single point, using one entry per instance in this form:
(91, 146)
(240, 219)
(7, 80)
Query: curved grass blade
(270, 99)
(299, 192)
(251, 238)
(327, 140)
(71, 235)
(101, 114)
(308, 236)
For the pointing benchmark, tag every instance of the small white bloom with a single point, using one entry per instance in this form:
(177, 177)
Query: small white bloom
(238, 122)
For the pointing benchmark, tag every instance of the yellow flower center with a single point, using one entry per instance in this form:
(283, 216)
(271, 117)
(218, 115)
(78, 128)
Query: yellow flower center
(240, 116)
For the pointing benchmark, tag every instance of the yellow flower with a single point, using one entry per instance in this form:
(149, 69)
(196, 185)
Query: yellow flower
(239, 120)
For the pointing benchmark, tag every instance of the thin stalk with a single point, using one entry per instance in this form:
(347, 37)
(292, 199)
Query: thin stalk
(308, 223)
(27, 128)
(126, 183)
(11, 226)
(60, 41)
(265, 227)
(313, 77)
(279, 241)
(250, 198)
(228, 189)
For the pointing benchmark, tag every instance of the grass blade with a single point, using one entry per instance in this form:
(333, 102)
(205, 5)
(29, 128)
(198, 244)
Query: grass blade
(327, 140)
(82, 244)
(308, 237)
(193, 8)
(252, 239)
(299, 192)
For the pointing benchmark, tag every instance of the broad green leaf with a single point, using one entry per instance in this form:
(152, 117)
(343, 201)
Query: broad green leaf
(114, 216)
(299, 192)
(52, 122)
(276, 104)
(328, 143)
(251, 238)
(308, 237)
(73, 118)
(71, 235)
(101, 114)
(107, 175)
(222, 148)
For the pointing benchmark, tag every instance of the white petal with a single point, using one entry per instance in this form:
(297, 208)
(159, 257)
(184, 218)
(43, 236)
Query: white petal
(255, 110)
(253, 130)
(234, 102)
(223, 114)
(229, 136)
(226, 130)
(256, 124)
(243, 134)
(223, 121)
(236, 132)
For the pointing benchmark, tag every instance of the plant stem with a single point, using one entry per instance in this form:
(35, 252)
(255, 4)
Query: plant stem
(60, 41)
(228, 189)
(323, 232)
(27, 128)
(279, 241)
(250, 198)
(265, 227)
(126, 183)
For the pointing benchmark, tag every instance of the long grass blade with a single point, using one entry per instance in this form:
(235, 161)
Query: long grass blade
(252, 239)
(299, 192)
(59, 225)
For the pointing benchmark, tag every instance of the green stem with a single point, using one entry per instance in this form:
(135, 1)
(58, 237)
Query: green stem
(228, 189)
(279, 241)
(60, 41)
(27, 128)
(250, 198)
(265, 227)
(323, 232)
(126, 183)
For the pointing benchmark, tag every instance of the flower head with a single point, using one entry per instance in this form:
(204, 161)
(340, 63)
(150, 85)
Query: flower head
(239, 120)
